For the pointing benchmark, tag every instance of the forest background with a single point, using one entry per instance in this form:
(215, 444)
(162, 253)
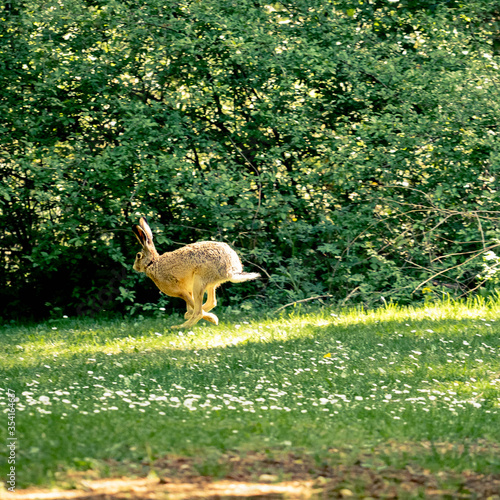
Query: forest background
(348, 150)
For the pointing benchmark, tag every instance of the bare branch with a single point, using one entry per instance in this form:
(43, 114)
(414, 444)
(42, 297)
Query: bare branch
(327, 296)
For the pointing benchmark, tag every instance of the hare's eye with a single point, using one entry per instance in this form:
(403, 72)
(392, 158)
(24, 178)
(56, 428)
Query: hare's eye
(139, 255)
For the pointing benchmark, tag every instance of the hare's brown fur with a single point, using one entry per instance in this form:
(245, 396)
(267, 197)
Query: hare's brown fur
(189, 272)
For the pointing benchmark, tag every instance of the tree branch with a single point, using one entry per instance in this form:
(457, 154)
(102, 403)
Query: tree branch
(327, 296)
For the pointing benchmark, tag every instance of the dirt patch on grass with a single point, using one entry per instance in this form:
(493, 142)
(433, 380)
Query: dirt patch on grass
(143, 489)
(261, 476)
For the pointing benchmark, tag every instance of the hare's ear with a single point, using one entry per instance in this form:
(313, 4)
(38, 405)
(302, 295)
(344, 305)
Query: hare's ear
(144, 224)
(140, 234)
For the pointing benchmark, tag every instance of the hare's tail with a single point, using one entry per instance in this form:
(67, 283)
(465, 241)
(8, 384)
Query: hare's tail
(241, 277)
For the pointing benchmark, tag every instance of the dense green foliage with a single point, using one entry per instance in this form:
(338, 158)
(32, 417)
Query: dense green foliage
(345, 148)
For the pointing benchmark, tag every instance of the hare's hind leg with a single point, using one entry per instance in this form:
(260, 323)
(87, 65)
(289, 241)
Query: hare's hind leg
(211, 298)
(209, 305)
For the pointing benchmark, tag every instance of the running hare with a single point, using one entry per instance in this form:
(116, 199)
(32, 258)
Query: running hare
(189, 272)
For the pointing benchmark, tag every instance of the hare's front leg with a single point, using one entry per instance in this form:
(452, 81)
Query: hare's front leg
(188, 298)
(207, 306)
(189, 306)
(198, 313)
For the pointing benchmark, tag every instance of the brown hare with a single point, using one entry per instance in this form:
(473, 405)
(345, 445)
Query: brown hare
(189, 272)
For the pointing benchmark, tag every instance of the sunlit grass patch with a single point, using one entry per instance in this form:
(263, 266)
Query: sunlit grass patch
(128, 390)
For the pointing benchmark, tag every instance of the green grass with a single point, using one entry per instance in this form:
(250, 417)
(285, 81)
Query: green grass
(388, 387)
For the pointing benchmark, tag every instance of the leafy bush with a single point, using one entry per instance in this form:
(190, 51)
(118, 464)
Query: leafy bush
(343, 149)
